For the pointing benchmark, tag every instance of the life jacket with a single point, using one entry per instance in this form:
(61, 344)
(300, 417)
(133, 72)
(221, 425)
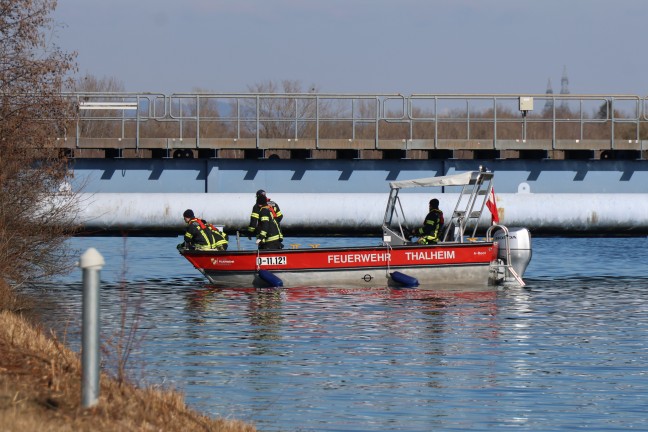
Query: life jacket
(200, 223)
(204, 234)
(276, 212)
(272, 206)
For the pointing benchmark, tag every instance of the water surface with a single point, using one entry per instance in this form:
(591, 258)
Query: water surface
(566, 352)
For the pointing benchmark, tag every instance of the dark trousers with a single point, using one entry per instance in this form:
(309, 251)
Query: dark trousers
(273, 245)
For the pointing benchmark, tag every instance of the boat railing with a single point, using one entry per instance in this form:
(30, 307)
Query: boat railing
(468, 210)
(394, 213)
(508, 266)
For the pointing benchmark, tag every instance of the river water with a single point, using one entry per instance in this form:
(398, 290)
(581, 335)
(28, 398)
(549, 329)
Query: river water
(568, 351)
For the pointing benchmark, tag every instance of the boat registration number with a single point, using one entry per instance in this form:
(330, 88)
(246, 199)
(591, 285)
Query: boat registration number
(272, 260)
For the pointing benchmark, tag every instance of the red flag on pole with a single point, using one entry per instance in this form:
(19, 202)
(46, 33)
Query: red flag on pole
(492, 206)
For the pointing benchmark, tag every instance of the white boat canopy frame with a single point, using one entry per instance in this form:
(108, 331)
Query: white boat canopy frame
(467, 178)
(476, 187)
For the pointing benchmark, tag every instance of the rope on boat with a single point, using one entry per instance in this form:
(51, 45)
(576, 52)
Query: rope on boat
(388, 258)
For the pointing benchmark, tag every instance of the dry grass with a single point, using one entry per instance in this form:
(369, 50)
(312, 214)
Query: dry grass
(40, 387)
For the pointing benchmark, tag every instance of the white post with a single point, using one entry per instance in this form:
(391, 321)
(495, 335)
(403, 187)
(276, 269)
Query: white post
(91, 262)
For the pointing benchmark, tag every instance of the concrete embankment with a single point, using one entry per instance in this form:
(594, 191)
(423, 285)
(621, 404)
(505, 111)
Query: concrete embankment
(362, 213)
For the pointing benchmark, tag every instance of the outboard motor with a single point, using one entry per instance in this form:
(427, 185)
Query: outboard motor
(519, 240)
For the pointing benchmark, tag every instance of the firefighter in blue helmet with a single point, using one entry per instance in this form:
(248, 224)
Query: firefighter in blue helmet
(254, 216)
(429, 232)
(268, 231)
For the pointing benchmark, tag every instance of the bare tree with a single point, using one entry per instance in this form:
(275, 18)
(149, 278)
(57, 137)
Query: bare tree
(284, 110)
(34, 216)
(90, 83)
(98, 123)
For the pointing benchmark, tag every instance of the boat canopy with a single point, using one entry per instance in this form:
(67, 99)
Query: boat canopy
(466, 178)
(475, 190)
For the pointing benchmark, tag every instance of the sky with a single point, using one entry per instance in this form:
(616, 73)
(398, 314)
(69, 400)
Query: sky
(360, 46)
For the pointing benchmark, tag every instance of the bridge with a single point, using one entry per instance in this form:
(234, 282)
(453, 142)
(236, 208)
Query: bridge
(357, 126)
(564, 164)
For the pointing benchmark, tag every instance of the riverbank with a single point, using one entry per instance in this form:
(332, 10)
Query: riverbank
(40, 386)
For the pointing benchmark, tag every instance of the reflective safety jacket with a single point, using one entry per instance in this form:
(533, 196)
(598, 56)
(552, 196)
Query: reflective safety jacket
(218, 238)
(197, 235)
(268, 229)
(429, 232)
(254, 217)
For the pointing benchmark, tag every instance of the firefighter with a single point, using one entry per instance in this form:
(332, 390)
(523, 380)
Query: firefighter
(254, 217)
(197, 234)
(218, 238)
(429, 232)
(268, 231)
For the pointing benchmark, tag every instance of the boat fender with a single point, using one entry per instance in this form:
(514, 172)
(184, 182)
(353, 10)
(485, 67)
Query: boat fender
(270, 278)
(405, 280)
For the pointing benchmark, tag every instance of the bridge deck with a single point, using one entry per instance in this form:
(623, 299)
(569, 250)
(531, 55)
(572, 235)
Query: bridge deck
(346, 126)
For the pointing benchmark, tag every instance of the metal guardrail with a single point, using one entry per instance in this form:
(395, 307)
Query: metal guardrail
(360, 121)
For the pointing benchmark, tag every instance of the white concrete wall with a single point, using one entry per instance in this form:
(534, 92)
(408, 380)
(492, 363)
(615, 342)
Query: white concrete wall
(362, 212)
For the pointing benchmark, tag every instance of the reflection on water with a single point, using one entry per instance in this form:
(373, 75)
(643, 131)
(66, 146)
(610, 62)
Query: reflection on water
(318, 351)
(568, 351)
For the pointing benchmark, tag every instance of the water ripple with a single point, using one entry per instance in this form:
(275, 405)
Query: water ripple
(568, 351)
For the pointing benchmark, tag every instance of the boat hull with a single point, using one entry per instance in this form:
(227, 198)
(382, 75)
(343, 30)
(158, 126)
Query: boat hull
(433, 266)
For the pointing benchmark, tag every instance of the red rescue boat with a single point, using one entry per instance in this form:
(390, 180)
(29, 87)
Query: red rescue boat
(460, 258)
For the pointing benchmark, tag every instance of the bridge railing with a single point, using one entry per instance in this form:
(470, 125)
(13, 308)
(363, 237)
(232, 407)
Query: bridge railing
(378, 122)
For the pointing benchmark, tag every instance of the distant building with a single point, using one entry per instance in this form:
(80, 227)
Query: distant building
(564, 87)
(549, 102)
(564, 90)
(564, 82)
